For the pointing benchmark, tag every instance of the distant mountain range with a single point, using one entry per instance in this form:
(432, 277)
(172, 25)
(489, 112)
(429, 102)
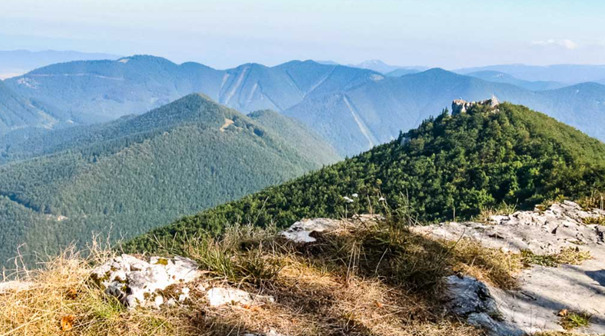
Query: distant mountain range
(352, 108)
(18, 62)
(94, 91)
(501, 77)
(133, 174)
(563, 73)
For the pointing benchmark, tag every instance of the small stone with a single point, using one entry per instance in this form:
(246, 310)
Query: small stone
(220, 296)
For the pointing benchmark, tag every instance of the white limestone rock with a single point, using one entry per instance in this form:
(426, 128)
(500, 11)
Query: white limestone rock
(135, 282)
(542, 291)
(300, 232)
(542, 232)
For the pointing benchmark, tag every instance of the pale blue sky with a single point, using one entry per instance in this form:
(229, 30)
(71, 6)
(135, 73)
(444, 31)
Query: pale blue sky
(224, 33)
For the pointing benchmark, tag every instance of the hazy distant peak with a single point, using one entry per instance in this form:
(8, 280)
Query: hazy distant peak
(145, 58)
(374, 62)
(18, 62)
(376, 65)
(328, 62)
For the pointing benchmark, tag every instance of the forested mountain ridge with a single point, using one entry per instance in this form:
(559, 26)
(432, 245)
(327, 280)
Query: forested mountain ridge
(451, 166)
(17, 112)
(131, 175)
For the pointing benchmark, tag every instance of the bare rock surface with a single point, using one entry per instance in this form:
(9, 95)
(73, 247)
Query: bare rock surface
(474, 300)
(300, 232)
(543, 291)
(135, 281)
(542, 232)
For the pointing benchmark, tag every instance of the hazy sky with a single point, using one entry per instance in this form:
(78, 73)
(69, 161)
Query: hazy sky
(224, 33)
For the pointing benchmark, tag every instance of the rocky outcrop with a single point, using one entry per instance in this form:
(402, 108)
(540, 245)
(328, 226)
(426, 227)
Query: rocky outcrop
(542, 232)
(136, 282)
(473, 300)
(542, 291)
(461, 106)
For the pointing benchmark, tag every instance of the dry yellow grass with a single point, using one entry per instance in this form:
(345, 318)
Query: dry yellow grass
(63, 301)
(374, 279)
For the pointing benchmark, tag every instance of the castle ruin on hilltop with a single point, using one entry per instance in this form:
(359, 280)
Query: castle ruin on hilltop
(460, 105)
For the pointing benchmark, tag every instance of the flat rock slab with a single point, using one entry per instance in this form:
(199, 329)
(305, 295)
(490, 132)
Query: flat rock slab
(542, 232)
(543, 291)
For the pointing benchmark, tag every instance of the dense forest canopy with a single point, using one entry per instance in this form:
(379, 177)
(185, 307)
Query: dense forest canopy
(135, 174)
(450, 166)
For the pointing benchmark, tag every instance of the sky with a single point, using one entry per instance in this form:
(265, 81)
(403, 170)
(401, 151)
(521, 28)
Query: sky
(225, 33)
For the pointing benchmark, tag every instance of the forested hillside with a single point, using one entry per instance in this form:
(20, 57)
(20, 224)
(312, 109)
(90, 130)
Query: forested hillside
(451, 166)
(129, 176)
(17, 112)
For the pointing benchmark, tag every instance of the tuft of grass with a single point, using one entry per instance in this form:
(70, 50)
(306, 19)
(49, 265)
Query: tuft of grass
(493, 266)
(238, 255)
(502, 209)
(596, 200)
(600, 220)
(162, 261)
(570, 255)
(574, 320)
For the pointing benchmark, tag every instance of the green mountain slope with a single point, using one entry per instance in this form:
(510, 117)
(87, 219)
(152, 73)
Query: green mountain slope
(129, 176)
(18, 113)
(450, 166)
